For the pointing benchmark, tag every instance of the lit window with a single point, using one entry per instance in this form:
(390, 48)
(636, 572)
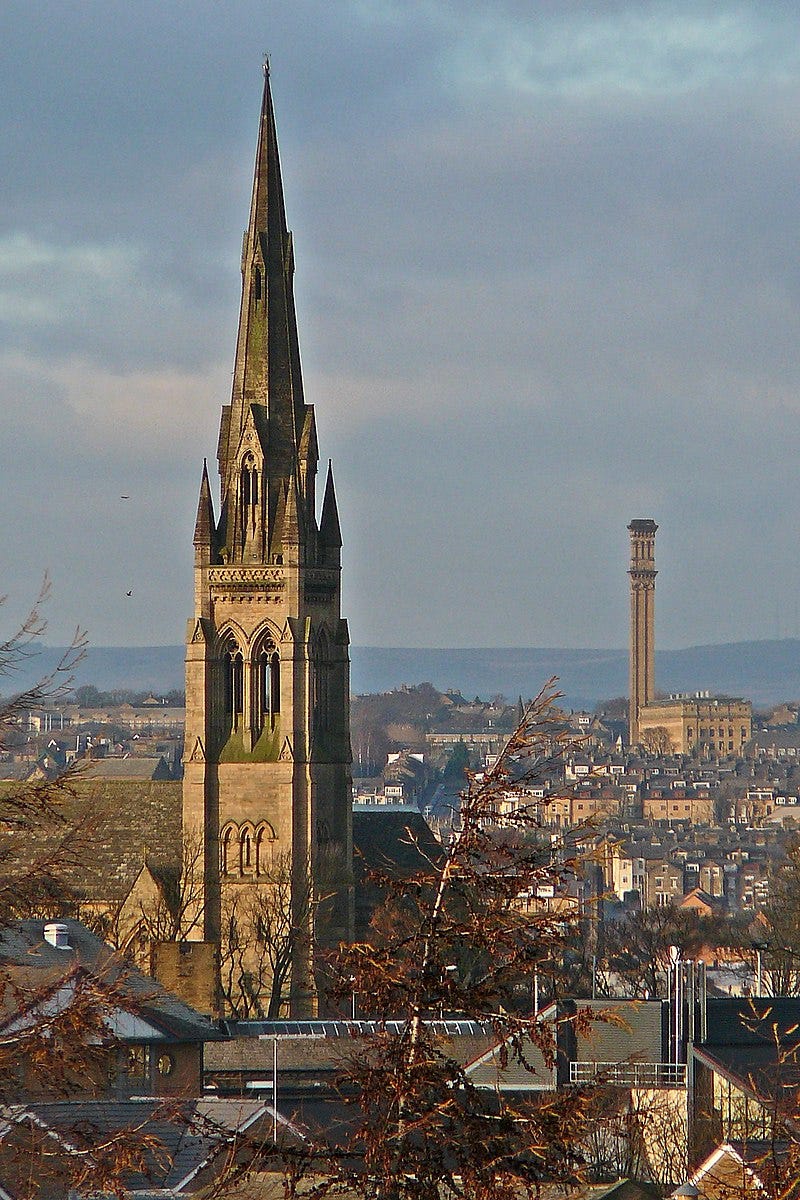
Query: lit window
(138, 1063)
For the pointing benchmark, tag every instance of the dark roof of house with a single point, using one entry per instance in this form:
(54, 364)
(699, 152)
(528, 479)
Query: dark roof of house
(314, 1056)
(130, 769)
(619, 1031)
(769, 1071)
(702, 897)
(392, 842)
(188, 1132)
(25, 955)
(603, 1031)
(526, 1067)
(15, 771)
(739, 1021)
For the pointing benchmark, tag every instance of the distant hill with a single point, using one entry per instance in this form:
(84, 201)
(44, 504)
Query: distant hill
(136, 668)
(585, 676)
(765, 672)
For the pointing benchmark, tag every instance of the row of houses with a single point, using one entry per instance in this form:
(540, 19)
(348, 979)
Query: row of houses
(733, 872)
(692, 1089)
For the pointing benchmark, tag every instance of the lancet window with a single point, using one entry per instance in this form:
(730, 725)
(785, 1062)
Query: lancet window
(247, 864)
(249, 483)
(320, 684)
(227, 845)
(267, 683)
(232, 662)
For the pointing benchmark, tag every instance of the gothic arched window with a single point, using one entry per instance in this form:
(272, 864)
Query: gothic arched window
(249, 483)
(265, 839)
(266, 683)
(226, 862)
(320, 684)
(232, 668)
(237, 685)
(247, 850)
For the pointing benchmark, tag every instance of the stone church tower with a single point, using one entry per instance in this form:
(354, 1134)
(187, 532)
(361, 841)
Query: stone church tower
(642, 574)
(267, 765)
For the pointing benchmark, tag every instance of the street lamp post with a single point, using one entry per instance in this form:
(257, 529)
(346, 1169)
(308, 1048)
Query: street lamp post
(759, 948)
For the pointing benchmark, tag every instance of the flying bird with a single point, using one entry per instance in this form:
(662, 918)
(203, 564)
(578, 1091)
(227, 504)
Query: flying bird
(124, 497)
(129, 593)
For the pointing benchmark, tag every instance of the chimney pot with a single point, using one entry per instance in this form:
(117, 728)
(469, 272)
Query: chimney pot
(57, 935)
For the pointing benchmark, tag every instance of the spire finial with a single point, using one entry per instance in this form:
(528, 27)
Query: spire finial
(265, 63)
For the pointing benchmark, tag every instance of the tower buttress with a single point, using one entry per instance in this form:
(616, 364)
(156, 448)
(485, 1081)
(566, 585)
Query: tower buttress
(204, 532)
(330, 534)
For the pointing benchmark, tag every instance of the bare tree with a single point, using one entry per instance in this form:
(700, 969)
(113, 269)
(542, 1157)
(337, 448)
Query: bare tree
(637, 1133)
(33, 866)
(656, 740)
(46, 1048)
(779, 941)
(176, 915)
(263, 930)
(460, 937)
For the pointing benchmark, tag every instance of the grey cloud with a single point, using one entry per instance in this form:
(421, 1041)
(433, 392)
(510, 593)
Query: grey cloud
(527, 312)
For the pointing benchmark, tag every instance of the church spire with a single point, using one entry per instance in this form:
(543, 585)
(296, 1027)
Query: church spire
(267, 763)
(267, 368)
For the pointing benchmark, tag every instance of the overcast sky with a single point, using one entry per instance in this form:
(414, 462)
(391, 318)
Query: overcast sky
(548, 279)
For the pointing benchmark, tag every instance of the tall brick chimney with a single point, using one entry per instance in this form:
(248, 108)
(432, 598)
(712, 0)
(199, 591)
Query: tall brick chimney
(642, 573)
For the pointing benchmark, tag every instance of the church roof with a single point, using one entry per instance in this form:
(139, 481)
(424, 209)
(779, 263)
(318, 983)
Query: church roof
(392, 841)
(131, 768)
(128, 821)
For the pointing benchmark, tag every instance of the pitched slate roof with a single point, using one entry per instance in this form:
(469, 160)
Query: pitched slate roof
(25, 954)
(317, 1058)
(620, 1031)
(188, 1133)
(771, 1072)
(132, 768)
(130, 819)
(393, 842)
(739, 1021)
(526, 1069)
